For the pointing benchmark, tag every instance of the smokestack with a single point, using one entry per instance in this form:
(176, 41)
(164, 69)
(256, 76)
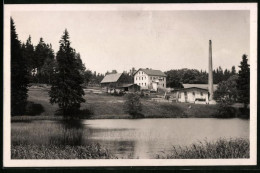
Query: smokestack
(210, 72)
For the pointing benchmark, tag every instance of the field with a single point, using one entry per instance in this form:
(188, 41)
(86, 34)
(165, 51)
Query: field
(106, 106)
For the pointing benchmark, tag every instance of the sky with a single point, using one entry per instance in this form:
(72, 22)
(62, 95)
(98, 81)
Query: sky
(161, 40)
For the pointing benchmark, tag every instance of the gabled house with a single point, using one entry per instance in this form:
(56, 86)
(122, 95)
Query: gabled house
(150, 79)
(113, 81)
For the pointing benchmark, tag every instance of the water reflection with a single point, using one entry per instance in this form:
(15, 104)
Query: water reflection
(69, 132)
(147, 137)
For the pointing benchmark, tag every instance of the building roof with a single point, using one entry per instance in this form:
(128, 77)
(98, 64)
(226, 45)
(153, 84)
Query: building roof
(202, 86)
(111, 78)
(151, 72)
(128, 85)
(191, 88)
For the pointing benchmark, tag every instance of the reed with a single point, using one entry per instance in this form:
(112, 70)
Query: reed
(220, 149)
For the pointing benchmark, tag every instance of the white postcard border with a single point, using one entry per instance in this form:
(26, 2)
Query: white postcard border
(8, 162)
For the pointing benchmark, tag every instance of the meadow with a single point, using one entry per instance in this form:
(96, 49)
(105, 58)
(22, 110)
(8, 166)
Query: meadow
(106, 106)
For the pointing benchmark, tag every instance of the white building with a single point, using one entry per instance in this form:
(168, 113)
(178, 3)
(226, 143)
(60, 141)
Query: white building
(194, 93)
(150, 79)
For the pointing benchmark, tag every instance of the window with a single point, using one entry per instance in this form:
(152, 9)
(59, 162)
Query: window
(144, 84)
(193, 93)
(151, 78)
(201, 93)
(185, 93)
(163, 85)
(142, 78)
(139, 78)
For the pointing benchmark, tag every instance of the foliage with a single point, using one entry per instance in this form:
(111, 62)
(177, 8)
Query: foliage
(19, 75)
(133, 105)
(34, 108)
(222, 148)
(175, 78)
(29, 54)
(225, 111)
(66, 89)
(226, 92)
(243, 82)
(45, 62)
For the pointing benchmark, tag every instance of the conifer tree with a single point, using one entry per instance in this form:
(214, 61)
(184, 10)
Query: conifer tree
(243, 82)
(19, 75)
(66, 88)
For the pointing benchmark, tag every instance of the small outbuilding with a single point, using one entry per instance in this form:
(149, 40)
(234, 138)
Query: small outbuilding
(193, 93)
(130, 87)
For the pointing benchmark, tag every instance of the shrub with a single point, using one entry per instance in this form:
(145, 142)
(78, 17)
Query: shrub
(34, 109)
(225, 111)
(133, 105)
(244, 113)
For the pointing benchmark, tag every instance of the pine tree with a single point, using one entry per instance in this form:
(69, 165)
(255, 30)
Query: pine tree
(29, 55)
(47, 69)
(19, 75)
(243, 82)
(66, 88)
(233, 70)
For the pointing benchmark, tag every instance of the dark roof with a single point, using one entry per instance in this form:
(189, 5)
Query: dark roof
(183, 89)
(111, 78)
(151, 72)
(127, 85)
(203, 86)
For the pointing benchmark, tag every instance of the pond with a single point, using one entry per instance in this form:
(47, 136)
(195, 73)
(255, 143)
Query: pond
(128, 138)
(144, 138)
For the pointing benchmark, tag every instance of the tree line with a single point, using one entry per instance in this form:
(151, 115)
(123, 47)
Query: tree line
(65, 72)
(175, 78)
(235, 89)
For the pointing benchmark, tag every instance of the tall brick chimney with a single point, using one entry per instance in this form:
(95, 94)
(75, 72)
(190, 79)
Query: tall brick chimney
(210, 73)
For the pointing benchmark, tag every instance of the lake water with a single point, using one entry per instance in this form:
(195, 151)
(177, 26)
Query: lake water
(144, 138)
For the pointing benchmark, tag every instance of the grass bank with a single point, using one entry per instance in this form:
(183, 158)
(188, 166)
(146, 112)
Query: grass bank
(59, 152)
(43, 139)
(220, 149)
(106, 106)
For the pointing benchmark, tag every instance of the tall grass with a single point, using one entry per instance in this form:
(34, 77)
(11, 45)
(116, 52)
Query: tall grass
(220, 149)
(53, 140)
(93, 151)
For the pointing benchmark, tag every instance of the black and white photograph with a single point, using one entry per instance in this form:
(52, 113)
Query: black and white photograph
(130, 84)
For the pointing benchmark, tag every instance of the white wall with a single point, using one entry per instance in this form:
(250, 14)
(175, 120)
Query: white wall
(145, 81)
(141, 79)
(191, 97)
